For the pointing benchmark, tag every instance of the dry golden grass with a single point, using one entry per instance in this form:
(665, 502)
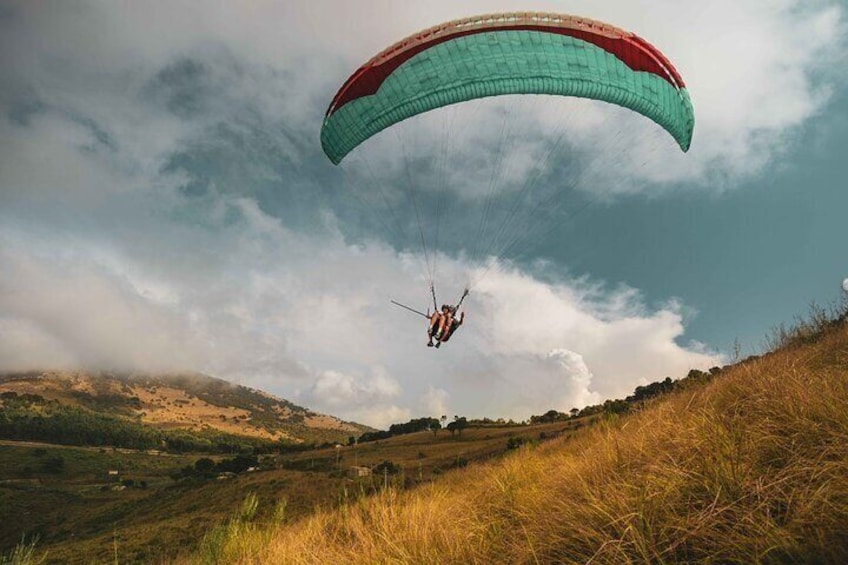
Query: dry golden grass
(750, 468)
(174, 407)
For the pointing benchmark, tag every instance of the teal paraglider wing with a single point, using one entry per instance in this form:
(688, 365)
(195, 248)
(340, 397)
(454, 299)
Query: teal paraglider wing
(515, 53)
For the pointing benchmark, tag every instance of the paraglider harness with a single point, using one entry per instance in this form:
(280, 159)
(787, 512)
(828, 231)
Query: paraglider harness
(447, 331)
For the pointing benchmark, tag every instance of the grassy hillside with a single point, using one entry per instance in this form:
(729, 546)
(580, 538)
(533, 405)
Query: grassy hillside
(61, 433)
(177, 412)
(750, 467)
(67, 497)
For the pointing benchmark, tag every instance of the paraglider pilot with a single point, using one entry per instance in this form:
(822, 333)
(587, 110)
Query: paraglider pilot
(443, 324)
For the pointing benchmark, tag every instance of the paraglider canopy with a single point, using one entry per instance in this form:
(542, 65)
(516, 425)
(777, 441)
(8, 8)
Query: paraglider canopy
(512, 53)
(488, 56)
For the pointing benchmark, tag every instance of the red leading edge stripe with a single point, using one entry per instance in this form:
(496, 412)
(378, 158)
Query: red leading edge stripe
(632, 50)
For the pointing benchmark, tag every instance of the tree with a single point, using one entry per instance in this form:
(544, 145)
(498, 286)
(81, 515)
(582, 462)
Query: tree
(458, 425)
(617, 406)
(548, 417)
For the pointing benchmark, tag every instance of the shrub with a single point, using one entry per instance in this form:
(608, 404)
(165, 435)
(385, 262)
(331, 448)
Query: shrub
(386, 467)
(516, 442)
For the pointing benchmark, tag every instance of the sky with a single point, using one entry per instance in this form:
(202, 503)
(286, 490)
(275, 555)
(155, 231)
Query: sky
(165, 205)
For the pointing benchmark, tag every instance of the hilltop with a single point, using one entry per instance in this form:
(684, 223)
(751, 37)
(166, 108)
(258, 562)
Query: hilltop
(748, 466)
(186, 412)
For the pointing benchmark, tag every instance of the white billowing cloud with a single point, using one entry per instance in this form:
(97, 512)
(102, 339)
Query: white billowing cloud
(340, 390)
(381, 417)
(364, 399)
(533, 383)
(573, 365)
(574, 342)
(308, 318)
(763, 71)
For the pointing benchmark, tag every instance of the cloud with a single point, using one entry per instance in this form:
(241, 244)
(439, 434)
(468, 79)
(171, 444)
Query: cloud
(23, 342)
(366, 399)
(435, 402)
(308, 318)
(340, 390)
(85, 309)
(535, 382)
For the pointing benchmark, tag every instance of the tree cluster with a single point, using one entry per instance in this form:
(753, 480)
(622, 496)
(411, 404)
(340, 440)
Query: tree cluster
(410, 427)
(206, 468)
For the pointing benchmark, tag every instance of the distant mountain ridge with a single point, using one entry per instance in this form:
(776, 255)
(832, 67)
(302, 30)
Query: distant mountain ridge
(189, 403)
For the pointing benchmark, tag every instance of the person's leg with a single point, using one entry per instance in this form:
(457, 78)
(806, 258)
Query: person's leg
(449, 329)
(432, 329)
(440, 331)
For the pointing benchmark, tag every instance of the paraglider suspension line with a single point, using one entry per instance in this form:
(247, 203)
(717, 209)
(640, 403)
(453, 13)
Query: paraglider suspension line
(433, 294)
(464, 294)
